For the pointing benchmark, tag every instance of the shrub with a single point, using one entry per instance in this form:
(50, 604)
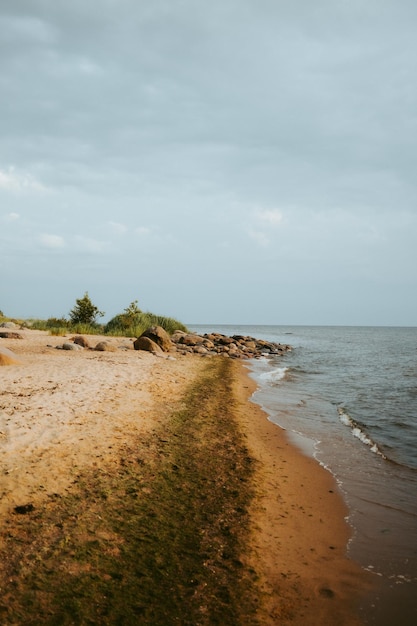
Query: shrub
(85, 312)
(50, 323)
(133, 322)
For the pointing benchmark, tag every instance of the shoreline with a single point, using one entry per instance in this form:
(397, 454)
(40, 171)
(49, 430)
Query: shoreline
(64, 414)
(302, 531)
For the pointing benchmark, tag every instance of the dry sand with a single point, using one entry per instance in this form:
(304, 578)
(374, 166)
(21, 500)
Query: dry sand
(63, 411)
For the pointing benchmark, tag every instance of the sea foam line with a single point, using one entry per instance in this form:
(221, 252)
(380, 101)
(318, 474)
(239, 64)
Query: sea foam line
(358, 432)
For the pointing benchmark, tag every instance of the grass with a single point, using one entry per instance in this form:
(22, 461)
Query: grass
(134, 325)
(121, 325)
(158, 542)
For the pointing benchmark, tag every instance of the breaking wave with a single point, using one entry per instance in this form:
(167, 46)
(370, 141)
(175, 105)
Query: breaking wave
(357, 431)
(274, 376)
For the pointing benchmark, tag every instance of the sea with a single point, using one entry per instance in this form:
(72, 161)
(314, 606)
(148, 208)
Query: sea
(347, 396)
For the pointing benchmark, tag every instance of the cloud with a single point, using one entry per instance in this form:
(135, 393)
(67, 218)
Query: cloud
(118, 228)
(302, 121)
(52, 241)
(88, 244)
(271, 216)
(142, 230)
(259, 237)
(13, 181)
(11, 217)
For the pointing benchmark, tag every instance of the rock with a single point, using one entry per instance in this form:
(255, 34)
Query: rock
(7, 357)
(184, 349)
(222, 339)
(71, 346)
(10, 335)
(145, 343)
(159, 336)
(200, 350)
(191, 340)
(23, 509)
(105, 346)
(8, 325)
(81, 341)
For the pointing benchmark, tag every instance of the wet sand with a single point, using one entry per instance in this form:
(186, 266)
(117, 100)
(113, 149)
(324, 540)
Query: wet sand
(302, 532)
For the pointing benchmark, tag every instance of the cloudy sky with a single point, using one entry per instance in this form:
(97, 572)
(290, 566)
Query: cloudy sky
(231, 161)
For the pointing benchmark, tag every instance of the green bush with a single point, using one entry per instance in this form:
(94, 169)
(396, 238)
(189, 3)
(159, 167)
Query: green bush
(84, 311)
(133, 322)
(51, 322)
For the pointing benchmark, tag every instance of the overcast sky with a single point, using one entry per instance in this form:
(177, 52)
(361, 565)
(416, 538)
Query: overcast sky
(231, 161)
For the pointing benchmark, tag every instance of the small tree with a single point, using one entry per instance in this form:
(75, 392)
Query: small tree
(85, 312)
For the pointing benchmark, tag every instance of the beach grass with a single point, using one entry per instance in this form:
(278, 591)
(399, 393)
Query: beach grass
(120, 326)
(160, 540)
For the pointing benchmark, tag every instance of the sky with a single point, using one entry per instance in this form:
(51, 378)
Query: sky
(222, 162)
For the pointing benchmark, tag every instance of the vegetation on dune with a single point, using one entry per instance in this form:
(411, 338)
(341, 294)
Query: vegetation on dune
(158, 541)
(132, 322)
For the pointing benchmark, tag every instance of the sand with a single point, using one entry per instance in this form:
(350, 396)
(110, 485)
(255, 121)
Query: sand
(302, 530)
(61, 410)
(64, 411)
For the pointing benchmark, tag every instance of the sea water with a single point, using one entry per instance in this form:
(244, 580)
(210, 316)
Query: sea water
(348, 397)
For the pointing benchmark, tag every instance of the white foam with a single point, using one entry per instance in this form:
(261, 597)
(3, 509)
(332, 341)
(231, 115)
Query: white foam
(358, 432)
(274, 376)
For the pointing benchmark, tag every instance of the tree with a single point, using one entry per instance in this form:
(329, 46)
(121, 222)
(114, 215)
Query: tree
(85, 312)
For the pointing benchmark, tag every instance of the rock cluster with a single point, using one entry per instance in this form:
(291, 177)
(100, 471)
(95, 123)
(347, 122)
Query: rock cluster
(156, 340)
(80, 342)
(236, 346)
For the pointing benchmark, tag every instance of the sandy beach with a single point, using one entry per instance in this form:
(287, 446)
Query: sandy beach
(66, 412)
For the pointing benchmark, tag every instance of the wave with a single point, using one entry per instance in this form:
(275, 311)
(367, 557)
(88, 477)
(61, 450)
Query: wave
(357, 431)
(274, 376)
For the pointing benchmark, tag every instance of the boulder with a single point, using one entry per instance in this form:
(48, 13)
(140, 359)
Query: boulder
(223, 340)
(105, 346)
(81, 341)
(71, 346)
(191, 340)
(200, 350)
(8, 325)
(147, 344)
(159, 336)
(7, 334)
